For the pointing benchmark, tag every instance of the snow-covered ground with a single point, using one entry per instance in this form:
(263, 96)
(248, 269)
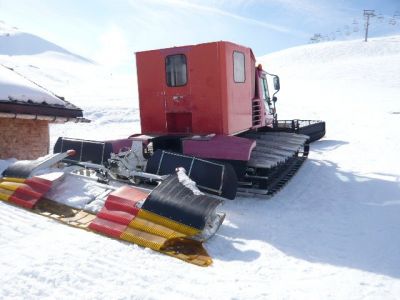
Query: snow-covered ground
(332, 233)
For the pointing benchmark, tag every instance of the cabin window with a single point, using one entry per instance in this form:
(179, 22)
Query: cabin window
(238, 67)
(264, 89)
(176, 70)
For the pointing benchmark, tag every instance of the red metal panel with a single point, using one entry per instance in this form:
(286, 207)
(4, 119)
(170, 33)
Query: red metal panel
(239, 108)
(214, 101)
(23, 199)
(220, 147)
(179, 122)
(151, 77)
(118, 211)
(117, 216)
(107, 227)
(28, 190)
(125, 199)
(205, 79)
(120, 144)
(29, 193)
(39, 184)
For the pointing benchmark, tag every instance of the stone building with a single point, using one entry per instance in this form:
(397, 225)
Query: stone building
(26, 110)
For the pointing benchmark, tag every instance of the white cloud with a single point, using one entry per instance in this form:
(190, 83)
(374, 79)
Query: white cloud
(311, 7)
(320, 11)
(217, 11)
(317, 12)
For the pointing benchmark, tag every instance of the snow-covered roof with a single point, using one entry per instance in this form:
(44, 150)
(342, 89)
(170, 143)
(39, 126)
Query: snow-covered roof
(14, 87)
(25, 96)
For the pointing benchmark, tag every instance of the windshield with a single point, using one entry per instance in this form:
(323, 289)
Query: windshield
(264, 89)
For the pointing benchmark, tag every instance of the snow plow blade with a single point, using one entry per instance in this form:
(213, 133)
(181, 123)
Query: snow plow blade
(27, 192)
(192, 210)
(165, 221)
(212, 177)
(26, 168)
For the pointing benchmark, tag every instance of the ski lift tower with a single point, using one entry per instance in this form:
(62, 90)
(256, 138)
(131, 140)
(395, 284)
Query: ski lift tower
(367, 14)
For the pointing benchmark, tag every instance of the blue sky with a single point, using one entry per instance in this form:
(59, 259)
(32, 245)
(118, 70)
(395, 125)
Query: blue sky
(111, 31)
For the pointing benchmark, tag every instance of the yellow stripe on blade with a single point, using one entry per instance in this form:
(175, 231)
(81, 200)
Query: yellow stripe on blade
(13, 179)
(11, 186)
(5, 194)
(142, 238)
(176, 226)
(153, 228)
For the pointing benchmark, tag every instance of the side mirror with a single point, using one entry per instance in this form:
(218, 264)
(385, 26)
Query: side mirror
(277, 85)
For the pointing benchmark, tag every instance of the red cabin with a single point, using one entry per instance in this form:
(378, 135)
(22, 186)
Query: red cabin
(199, 89)
(206, 108)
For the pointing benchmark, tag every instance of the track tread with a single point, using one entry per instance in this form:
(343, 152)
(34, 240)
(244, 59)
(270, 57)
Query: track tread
(270, 173)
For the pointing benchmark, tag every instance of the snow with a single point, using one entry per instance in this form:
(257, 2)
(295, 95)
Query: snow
(187, 182)
(5, 163)
(78, 79)
(331, 233)
(18, 87)
(87, 194)
(22, 43)
(14, 87)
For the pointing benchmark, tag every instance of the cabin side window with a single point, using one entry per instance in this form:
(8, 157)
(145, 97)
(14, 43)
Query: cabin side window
(176, 70)
(264, 89)
(238, 67)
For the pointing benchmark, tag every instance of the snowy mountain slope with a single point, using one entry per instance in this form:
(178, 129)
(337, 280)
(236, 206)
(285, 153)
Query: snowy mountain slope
(357, 94)
(332, 233)
(95, 88)
(40, 59)
(21, 43)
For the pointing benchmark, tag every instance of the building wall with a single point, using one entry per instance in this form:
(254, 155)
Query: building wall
(23, 139)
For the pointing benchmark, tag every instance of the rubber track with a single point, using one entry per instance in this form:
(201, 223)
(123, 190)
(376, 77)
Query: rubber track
(280, 180)
(277, 177)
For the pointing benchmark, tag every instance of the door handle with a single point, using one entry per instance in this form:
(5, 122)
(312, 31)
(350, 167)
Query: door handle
(177, 98)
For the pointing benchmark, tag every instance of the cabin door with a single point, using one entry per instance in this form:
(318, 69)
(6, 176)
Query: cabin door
(178, 105)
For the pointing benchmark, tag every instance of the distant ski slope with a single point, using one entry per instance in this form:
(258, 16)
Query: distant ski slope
(332, 233)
